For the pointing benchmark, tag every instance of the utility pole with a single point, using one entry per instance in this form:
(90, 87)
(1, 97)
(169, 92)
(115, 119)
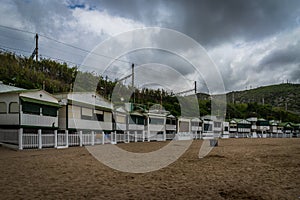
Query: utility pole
(132, 82)
(195, 87)
(35, 53)
(36, 47)
(105, 85)
(132, 72)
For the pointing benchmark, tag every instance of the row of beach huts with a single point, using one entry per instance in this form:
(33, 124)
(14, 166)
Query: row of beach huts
(37, 119)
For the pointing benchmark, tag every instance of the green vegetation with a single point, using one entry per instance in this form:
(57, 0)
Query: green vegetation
(271, 102)
(282, 96)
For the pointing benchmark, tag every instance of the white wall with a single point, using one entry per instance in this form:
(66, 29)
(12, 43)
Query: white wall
(9, 118)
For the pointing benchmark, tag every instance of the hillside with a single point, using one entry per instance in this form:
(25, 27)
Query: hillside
(283, 96)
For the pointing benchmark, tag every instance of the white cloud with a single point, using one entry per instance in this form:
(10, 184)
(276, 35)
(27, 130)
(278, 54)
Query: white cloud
(101, 23)
(240, 63)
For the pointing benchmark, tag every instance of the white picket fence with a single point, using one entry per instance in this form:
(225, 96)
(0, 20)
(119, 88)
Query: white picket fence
(38, 139)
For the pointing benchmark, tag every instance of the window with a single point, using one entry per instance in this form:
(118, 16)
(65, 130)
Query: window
(3, 108)
(262, 123)
(107, 116)
(49, 111)
(74, 112)
(99, 115)
(171, 121)
(207, 127)
(244, 125)
(120, 119)
(140, 121)
(168, 121)
(156, 121)
(29, 108)
(217, 124)
(86, 113)
(195, 124)
(13, 107)
(184, 126)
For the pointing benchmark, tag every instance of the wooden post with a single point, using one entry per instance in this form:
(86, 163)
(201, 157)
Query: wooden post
(143, 136)
(80, 138)
(115, 137)
(20, 138)
(93, 137)
(40, 138)
(55, 138)
(148, 129)
(103, 137)
(112, 135)
(67, 138)
(135, 136)
(128, 137)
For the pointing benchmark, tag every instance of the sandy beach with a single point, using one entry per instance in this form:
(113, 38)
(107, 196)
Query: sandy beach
(236, 169)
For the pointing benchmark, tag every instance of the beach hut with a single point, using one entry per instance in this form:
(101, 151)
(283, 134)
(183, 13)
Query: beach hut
(196, 127)
(28, 118)
(156, 124)
(233, 129)
(207, 126)
(86, 115)
(243, 128)
(225, 130)
(287, 129)
(296, 132)
(218, 127)
(184, 128)
(170, 127)
(273, 132)
(136, 126)
(263, 127)
(253, 121)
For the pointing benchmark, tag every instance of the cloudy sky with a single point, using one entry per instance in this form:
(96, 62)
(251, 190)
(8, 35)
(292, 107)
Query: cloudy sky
(252, 43)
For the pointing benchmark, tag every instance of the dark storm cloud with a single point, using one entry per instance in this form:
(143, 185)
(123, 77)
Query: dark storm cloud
(211, 21)
(295, 74)
(284, 56)
(237, 34)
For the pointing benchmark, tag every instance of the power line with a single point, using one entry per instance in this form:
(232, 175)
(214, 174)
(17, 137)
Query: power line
(14, 49)
(66, 44)
(16, 29)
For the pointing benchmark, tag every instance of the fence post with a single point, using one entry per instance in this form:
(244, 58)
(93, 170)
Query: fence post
(115, 137)
(55, 138)
(20, 138)
(128, 137)
(103, 137)
(112, 135)
(40, 138)
(143, 136)
(148, 135)
(80, 138)
(67, 138)
(165, 136)
(135, 136)
(93, 138)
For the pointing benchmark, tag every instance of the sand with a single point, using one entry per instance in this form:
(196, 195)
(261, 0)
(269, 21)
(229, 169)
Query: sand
(236, 169)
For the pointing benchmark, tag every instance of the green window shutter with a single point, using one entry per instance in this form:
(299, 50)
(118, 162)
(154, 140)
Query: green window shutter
(49, 111)
(30, 108)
